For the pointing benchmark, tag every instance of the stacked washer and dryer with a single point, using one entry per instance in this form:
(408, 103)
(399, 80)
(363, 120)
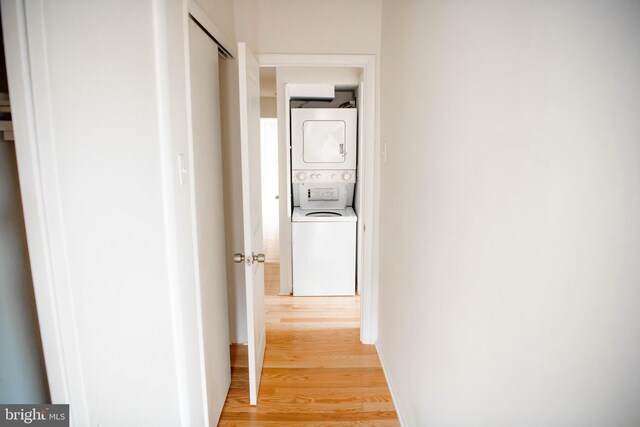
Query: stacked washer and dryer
(323, 171)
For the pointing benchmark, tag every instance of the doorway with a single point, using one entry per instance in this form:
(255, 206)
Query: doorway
(316, 69)
(270, 193)
(269, 174)
(270, 208)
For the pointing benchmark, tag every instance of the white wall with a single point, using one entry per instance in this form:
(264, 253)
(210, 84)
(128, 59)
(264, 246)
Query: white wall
(268, 107)
(510, 212)
(22, 371)
(309, 26)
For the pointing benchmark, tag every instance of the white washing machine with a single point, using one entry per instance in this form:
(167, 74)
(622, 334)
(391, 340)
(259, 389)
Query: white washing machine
(324, 252)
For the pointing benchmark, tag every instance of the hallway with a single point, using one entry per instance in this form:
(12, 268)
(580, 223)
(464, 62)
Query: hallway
(316, 371)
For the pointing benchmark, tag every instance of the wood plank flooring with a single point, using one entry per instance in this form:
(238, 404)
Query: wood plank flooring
(316, 371)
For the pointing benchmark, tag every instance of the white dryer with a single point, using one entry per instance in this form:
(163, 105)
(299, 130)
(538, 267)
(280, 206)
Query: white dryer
(324, 252)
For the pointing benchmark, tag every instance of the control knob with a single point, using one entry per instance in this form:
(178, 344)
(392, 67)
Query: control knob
(301, 176)
(346, 176)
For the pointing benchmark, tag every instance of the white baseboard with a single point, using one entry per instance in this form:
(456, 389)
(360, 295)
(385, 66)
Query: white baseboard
(392, 389)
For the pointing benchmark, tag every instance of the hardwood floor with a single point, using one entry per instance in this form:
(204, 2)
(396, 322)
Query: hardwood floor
(316, 371)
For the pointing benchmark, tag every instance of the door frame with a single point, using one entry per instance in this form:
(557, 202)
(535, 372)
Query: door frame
(368, 219)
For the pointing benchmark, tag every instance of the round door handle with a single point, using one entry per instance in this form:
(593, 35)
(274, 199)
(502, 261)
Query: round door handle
(258, 258)
(238, 258)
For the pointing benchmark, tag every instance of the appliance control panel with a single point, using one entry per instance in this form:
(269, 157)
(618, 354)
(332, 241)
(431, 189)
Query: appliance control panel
(342, 175)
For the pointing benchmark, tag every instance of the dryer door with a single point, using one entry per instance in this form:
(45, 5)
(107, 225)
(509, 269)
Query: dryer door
(323, 141)
(323, 138)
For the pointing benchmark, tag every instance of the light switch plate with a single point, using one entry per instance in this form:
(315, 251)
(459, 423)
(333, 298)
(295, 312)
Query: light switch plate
(182, 169)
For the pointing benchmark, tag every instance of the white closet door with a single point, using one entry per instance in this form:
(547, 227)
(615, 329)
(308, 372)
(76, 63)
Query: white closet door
(209, 210)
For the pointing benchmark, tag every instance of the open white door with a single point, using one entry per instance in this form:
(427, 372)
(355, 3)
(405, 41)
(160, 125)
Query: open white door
(249, 81)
